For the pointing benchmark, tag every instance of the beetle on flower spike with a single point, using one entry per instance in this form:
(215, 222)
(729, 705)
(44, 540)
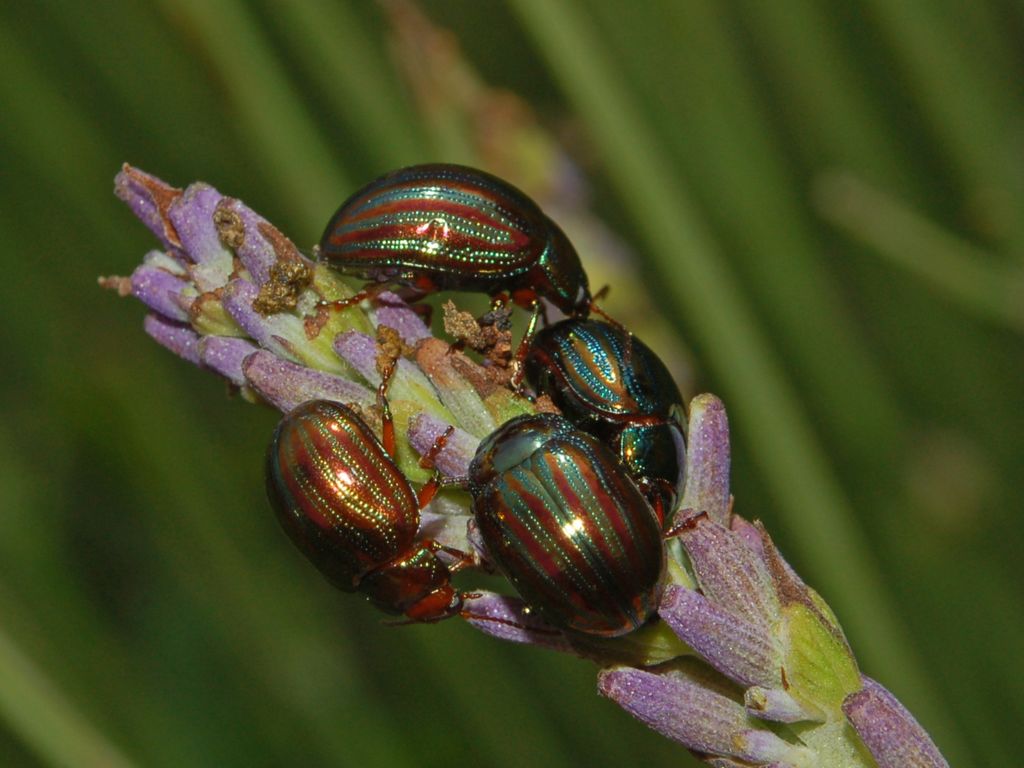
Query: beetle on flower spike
(609, 383)
(436, 227)
(589, 560)
(747, 664)
(564, 522)
(340, 498)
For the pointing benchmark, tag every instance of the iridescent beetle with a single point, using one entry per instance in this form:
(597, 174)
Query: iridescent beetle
(557, 513)
(568, 527)
(611, 384)
(437, 227)
(344, 503)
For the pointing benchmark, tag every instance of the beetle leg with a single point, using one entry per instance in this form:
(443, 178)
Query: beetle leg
(660, 495)
(685, 520)
(387, 420)
(442, 603)
(390, 348)
(460, 559)
(371, 291)
(427, 462)
(518, 369)
(430, 488)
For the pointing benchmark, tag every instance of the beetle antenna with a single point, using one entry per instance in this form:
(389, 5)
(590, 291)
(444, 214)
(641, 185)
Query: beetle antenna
(612, 321)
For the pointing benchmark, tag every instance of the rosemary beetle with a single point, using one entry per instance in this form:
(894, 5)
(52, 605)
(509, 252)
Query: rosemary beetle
(611, 384)
(348, 508)
(429, 228)
(568, 527)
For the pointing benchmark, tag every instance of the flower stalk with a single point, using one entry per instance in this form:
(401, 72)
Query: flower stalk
(746, 665)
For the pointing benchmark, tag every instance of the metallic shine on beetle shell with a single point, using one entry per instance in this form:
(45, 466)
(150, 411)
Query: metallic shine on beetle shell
(614, 386)
(344, 503)
(567, 526)
(439, 226)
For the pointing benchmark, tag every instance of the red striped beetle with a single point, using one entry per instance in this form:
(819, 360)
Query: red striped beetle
(344, 503)
(568, 527)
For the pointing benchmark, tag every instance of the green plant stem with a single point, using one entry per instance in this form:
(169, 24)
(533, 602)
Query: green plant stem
(962, 271)
(280, 131)
(819, 517)
(353, 77)
(961, 92)
(758, 204)
(48, 722)
(32, 99)
(832, 111)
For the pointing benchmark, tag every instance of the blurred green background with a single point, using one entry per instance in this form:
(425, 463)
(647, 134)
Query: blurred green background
(824, 199)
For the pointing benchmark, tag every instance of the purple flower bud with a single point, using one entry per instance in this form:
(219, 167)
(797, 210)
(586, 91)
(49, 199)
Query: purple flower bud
(226, 356)
(687, 705)
(508, 618)
(735, 647)
(359, 351)
(161, 291)
(395, 313)
(890, 732)
(459, 449)
(729, 574)
(191, 214)
(254, 250)
(149, 198)
(707, 463)
(178, 338)
(286, 385)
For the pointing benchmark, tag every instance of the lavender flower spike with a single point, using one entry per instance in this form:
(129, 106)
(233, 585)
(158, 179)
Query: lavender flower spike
(745, 665)
(231, 294)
